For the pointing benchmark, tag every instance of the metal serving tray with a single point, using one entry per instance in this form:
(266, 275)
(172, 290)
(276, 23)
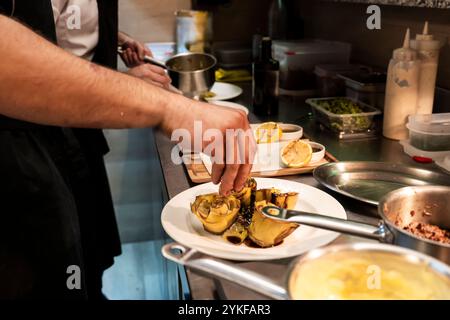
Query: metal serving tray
(370, 181)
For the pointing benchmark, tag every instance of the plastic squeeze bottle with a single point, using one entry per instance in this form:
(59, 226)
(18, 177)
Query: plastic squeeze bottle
(402, 91)
(428, 53)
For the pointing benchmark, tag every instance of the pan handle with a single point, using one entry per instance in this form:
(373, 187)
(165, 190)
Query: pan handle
(224, 270)
(379, 232)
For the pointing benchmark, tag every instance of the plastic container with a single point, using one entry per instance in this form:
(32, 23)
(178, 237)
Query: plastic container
(415, 152)
(345, 123)
(299, 58)
(366, 86)
(430, 132)
(444, 163)
(329, 84)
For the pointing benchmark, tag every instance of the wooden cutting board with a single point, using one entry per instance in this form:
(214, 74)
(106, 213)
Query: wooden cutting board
(199, 174)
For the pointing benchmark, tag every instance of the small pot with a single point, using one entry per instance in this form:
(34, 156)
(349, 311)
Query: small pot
(192, 73)
(224, 270)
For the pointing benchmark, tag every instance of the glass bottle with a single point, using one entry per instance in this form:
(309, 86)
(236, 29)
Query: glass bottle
(266, 78)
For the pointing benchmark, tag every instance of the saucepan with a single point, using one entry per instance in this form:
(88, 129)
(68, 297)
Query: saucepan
(353, 271)
(405, 213)
(193, 74)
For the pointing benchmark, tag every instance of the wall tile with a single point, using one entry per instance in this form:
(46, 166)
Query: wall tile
(150, 20)
(347, 22)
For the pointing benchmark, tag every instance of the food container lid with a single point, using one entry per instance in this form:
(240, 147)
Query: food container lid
(331, 70)
(315, 46)
(366, 81)
(437, 124)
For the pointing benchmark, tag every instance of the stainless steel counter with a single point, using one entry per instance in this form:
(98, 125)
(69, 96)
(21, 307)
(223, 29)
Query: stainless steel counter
(438, 4)
(292, 110)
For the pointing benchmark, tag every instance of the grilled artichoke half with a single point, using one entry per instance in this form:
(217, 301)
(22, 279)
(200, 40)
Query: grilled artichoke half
(216, 213)
(282, 200)
(266, 232)
(245, 195)
(236, 234)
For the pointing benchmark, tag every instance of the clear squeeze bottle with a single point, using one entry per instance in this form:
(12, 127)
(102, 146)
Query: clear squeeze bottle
(402, 91)
(428, 52)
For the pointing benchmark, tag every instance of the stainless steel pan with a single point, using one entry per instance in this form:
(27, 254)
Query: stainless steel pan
(369, 181)
(427, 204)
(192, 73)
(225, 270)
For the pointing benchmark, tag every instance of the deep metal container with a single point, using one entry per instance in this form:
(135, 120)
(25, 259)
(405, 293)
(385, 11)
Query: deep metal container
(192, 73)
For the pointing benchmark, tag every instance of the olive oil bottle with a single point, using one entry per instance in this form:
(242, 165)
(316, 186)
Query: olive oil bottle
(266, 79)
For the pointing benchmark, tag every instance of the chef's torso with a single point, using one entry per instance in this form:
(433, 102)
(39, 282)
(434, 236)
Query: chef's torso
(77, 26)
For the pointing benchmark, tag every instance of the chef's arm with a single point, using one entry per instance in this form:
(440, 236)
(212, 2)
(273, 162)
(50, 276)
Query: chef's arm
(41, 83)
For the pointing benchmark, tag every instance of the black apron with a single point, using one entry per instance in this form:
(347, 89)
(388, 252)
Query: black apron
(56, 209)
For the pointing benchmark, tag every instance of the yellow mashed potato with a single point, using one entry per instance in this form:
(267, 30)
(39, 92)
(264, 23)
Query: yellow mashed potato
(367, 275)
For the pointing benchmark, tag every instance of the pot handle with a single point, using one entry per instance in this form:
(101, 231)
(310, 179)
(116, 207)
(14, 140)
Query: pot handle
(379, 232)
(224, 270)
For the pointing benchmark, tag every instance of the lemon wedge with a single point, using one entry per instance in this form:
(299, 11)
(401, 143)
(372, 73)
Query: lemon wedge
(296, 154)
(268, 132)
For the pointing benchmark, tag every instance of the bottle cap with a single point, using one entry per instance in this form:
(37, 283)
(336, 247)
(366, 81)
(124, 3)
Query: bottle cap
(425, 41)
(405, 53)
(424, 35)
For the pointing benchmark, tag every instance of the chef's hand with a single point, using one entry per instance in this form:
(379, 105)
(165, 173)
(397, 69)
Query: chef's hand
(133, 51)
(152, 74)
(231, 136)
(240, 148)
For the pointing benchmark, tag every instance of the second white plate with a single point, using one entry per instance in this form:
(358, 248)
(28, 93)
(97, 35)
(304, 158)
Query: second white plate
(224, 91)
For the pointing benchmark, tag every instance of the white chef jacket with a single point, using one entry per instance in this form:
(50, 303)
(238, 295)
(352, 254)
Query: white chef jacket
(76, 23)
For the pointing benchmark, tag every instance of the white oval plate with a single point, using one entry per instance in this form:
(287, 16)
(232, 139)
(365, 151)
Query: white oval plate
(231, 105)
(224, 91)
(182, 225)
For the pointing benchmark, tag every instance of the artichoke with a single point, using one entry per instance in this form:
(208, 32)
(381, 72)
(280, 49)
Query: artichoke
(266, 232)
(282, 200)
(236, 234)
(285, 200)
(265, 194)
(216, 213)
(246, 194)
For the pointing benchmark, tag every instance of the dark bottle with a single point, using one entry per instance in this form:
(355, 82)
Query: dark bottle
(266, 78)
(278, 20)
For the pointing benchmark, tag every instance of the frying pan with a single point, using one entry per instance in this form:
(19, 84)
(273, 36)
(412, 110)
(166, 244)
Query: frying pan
(426, 204)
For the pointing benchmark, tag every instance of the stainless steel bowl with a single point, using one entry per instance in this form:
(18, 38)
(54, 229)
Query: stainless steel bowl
(192, 73)
(426, 204)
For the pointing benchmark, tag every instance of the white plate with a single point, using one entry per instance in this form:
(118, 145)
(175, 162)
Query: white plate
(182, 225)
(232, 105)
(224, 91)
